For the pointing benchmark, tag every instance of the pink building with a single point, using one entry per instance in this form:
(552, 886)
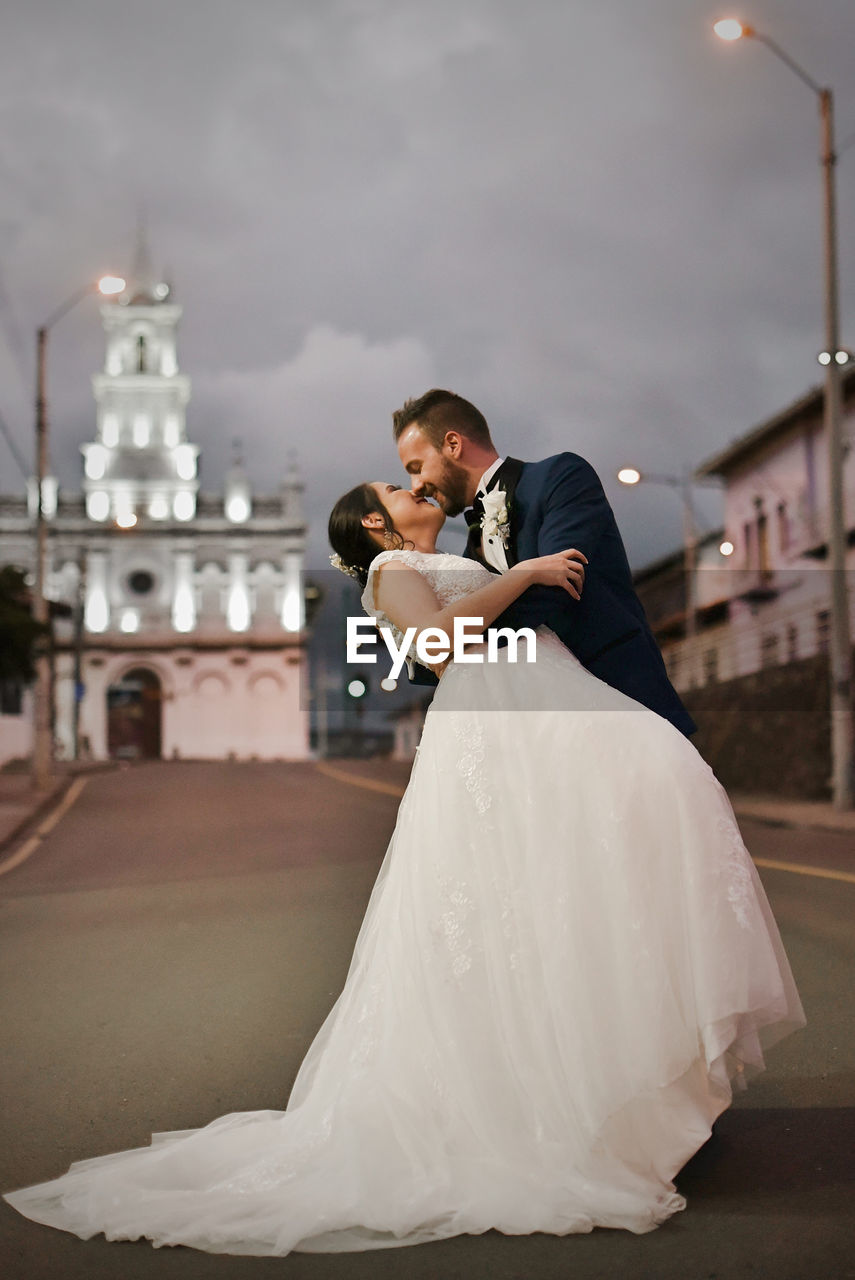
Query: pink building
(767, 604)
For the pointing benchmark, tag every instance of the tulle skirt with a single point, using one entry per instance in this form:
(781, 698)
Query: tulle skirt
(567, 964)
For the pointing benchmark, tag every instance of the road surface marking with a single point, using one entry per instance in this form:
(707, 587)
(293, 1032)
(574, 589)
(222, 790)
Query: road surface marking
(368, 784)
(798, 869)
(389, 789)
(29, 846)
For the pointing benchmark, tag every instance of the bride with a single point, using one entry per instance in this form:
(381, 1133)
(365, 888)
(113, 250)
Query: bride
(567, 964)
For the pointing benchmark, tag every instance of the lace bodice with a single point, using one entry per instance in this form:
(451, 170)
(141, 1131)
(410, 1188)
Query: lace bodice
(450, 577)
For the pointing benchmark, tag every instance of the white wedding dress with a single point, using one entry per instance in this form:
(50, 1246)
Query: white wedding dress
(566, 963)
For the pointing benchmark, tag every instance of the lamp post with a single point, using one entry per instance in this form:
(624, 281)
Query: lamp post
(42, 730)
(843, 791)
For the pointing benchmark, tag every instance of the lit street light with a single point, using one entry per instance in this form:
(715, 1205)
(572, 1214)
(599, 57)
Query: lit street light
(42, 773)
(730, 29)
(842, 357)
(840, 647)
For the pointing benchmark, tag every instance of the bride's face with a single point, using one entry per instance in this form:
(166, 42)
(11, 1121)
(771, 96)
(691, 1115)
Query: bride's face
(412, 514)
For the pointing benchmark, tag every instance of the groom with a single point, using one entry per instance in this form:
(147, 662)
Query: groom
(519, 510)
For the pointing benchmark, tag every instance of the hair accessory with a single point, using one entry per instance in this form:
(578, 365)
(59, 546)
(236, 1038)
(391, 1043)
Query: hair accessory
(337, 563)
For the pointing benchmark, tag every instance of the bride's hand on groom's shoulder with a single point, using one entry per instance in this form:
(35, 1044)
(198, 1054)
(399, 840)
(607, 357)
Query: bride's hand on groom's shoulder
(565, 569)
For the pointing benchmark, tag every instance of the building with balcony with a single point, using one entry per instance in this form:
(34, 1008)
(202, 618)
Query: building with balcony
(767, 604)
(755, 674)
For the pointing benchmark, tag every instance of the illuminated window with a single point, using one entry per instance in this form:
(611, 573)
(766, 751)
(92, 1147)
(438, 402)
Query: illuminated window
(171, 431)
(142, 430)
(97, 611)
(96, 461)
(97, 505)
(184, 609)
(185, 462)
(184, 506)
(237, 508)
(238, 608)
(110, 430)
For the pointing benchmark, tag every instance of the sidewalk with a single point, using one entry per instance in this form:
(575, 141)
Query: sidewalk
(21, 805)
(794, 813)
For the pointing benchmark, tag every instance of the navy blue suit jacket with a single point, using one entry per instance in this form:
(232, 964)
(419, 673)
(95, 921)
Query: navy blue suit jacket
(557, 504)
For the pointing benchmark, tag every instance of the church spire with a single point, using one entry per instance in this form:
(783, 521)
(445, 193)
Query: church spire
(142, 271)
(144, 288)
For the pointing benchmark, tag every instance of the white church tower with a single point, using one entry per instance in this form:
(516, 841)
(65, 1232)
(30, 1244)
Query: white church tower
(140, 464)
(192, 641)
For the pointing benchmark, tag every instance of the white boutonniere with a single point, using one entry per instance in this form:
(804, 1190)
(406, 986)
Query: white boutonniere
(497, 520)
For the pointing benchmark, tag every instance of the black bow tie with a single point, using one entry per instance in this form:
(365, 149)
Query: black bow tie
(475, 514)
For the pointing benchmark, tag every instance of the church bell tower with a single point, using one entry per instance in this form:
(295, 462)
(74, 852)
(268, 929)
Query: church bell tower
(140, 469)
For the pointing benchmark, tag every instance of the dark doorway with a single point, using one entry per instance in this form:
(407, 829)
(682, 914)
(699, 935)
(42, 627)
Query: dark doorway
(134, 716)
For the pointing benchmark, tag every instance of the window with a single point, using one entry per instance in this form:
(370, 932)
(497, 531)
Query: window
(11, 697)
(784, 528)
(769, 650)
(763, 542)
(141, 582)
(823, 631)
(792, 643)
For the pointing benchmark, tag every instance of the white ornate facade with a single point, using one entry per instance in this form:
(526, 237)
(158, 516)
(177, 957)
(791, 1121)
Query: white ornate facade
(187, 636)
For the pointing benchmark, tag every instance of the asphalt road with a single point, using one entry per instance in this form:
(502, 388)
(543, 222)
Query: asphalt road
(172, 946)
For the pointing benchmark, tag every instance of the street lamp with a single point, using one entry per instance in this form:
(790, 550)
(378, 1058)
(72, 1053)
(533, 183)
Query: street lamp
(107, 286)
(840, 643)
(841, 357)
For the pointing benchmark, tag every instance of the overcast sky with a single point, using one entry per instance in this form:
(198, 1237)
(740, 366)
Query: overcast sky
(592, 218)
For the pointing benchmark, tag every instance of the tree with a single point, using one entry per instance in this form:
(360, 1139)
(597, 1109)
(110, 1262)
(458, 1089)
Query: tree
(19, 631)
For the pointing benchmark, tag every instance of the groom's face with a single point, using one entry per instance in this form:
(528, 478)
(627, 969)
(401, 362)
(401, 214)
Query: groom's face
(434, 473)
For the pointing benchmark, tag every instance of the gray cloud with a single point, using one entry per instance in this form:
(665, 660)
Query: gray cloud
(595, 220)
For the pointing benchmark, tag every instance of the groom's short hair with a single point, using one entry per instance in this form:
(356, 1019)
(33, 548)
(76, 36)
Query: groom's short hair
(437, 412)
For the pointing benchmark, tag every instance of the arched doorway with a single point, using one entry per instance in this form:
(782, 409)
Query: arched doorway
(134, 716)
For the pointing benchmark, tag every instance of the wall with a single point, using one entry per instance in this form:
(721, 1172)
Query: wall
(238, 703)
(768, 733)
(16, 732)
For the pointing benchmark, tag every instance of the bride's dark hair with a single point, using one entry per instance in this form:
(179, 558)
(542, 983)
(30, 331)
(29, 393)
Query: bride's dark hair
(350, 539)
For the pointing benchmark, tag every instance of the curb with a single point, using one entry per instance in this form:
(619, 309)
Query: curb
(49, 799)
(807, 823)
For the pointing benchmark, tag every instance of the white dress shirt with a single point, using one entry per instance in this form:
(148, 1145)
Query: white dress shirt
(492, 547)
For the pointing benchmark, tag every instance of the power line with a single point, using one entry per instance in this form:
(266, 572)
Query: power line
(13, 449)
(14, 341)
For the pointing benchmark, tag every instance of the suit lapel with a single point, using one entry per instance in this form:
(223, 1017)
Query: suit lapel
(473, 545)
(507, 478)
